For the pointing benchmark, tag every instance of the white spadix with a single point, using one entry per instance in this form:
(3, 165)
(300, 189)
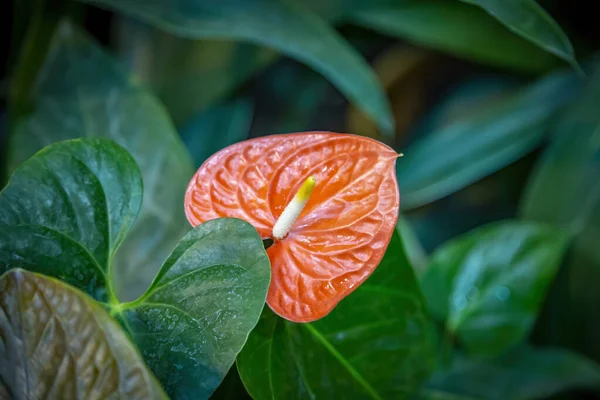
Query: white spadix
(293, 209)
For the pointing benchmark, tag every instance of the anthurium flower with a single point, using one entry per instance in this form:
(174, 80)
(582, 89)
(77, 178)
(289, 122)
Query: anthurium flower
(329, 201)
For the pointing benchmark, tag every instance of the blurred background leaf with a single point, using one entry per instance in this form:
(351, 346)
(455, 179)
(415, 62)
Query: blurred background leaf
(483, 142)
(521, 373)
(216, 128)
(293, 30)
(530, 21)
(458, 29)
(188, 75)
(565, 191)
(489, 284)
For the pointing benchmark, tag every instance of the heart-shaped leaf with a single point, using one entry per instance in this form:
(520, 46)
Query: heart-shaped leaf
(522, 373)
(489, 284)
(284, 25)
(96, 98)
(344, 228)
(457, 29)
(529, 20)
(375, 344)
(471, 148)
(197, 313)
(58, 343)
(65, 212)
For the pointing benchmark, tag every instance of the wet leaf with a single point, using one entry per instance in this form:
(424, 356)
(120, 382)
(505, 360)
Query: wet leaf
(529, 20)
(66, 211)
(283, 25)
(96, 98)
(522, 373)
(341, 234)
(375, 344)
(467, 150)
(488, 285)
(197, 313)
(458, 29)
(58, 343)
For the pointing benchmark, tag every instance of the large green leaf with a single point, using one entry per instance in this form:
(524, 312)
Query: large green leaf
(197, 313)
(529, 20)
(81, 92)
(188, 75)
(522, 373)
(216, 128)
(458, 29)
(489, 284)
(467, 150)
(284, 25)
(375, 344)
(58, 343)
(66, 211)
(565, 191)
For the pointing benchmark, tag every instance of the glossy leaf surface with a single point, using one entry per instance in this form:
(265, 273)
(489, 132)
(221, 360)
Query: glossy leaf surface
(283, 25)
(489, 284)
(458, 29)
(58, 343)
(565, 191)
(96, 98)
(65, 212)
(342, 233)
(529, 20)
(522, 373)
(474, 146)
(376, 344)
(210, 291)
(197, 313)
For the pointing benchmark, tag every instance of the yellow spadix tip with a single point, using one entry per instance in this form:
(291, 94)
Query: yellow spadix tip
(306, 189)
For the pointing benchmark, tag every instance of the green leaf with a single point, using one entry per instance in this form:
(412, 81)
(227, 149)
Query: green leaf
(284, 25)
(467, 150)
(458, 29)
(529, 20)
(65, 212)
(217, 128)
(96, 98)
(522, 373)
(58, 343)
(565, 191)
(197, 313)
(376, 343)
(488, 285)
(189, 75)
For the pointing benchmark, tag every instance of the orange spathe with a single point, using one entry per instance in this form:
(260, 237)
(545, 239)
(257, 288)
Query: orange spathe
(341, 234)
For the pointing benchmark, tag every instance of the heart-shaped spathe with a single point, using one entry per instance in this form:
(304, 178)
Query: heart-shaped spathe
(343, 231)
